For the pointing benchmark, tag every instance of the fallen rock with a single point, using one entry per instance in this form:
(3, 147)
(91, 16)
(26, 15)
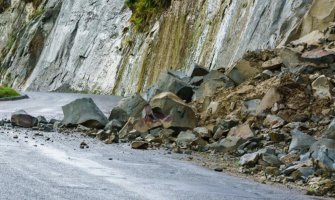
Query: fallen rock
(85, 112)
(270, 98)
(228, 144)
(243, 131)
(323, 152)
(321, 88)
(211, 83)
(300, 141)
(23, 119)
(242, 71)
(185, 139)
(169, 82)
(273, 121)
(274, 63)
(131, 106)
(330, 131)
(249, 159)
(319, 56)
(139, 145)
(182, 115)
(113, 125)
(202, 132)
(41, 120)
(198, 71)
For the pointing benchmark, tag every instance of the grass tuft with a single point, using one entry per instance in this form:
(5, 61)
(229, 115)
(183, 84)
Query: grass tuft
(8, 92)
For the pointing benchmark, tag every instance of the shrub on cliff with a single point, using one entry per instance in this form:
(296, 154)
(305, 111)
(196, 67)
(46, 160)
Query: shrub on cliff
(145, 10)
(36, 3)
(8, 92)
(4, 4)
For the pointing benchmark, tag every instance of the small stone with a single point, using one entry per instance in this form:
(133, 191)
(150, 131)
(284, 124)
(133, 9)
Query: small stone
(139, 145)
(321, 88)
(219, 169)
(273, 121)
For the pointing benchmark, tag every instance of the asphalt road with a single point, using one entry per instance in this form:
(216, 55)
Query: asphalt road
(52, 166)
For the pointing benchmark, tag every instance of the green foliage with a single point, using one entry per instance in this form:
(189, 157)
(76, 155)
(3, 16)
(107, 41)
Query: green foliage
(145, 10)
(36, 3)
(8, 92)
(4, 4)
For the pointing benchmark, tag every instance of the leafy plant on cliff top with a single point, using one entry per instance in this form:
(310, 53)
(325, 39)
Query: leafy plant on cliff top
(145, 10)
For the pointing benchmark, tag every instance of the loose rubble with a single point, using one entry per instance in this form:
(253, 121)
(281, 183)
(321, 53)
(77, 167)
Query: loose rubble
(271, 115)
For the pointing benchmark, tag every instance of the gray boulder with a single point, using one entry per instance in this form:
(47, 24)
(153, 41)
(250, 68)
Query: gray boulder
(23, 119)
(242, 71)
(330, 131)
(300, 141)
(185, 139)
(182, 115)
(131, 106)
(170, 82)
(211, 83)
(323, 152)
(84, 112)
(228, 144)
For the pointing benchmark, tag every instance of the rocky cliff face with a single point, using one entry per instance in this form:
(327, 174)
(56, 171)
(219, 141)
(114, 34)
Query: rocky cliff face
(86, 45)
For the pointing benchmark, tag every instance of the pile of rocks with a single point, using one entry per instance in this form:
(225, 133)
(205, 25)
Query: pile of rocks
(273, 111)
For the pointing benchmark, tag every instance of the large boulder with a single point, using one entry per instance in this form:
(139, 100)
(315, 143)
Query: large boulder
(131, 106)
(323, 152)
(300, 141)
(330, 131)
(242, 71)
(23, 119)
(182, 115)
(84, 112)
(211, 83)
(170, 82)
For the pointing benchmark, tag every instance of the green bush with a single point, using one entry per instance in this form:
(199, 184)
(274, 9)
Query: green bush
(8, 92)
(145, 10)
(36, 3)
(4, 4)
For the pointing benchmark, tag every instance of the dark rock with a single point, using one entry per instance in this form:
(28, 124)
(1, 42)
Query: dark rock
(323, 152)
(330, 131)
(113, 125)
(83, 145)
(171, 83)
(196, 81)
(85, 112)
(198, 71)
(140, 145)
(23, 119)
(319, 56)
(300, 141)
(42, 120)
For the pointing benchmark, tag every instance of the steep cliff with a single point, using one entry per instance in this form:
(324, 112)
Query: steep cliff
(90, 46)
